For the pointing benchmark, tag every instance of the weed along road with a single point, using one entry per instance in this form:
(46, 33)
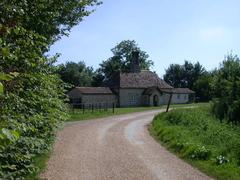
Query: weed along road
(111, 148)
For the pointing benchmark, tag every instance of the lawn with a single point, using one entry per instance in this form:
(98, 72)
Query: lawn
(200, 139)
(78, 115)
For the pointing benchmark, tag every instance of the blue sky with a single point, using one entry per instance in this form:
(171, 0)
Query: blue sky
(170, 31)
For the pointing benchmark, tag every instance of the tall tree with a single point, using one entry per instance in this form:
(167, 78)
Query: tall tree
(175, 75)
(226, 90)
(31, 106)
(76, 74)
(183, 76)
(121, 59)
(49, 18)
(189, 75)
(202, 87)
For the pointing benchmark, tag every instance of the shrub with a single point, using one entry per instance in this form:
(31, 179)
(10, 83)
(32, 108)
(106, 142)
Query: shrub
(31, 95)
(29, 119)
(226, 90)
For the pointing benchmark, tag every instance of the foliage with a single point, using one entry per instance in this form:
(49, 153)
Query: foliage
(124, 50)
(189, 75)
(226, 90)
(121, 60)
(183, 76)
(76, 74)
(33, 110)
(200, 153)
(197, 136)
(202, 87)
(49, 18)
(98, 78)
(221, 160)
(1, 88)
(31, 95)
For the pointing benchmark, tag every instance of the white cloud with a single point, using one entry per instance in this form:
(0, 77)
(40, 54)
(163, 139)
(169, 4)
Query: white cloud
(215, 33)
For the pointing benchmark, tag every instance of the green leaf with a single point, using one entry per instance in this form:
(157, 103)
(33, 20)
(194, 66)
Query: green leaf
(10, 134)
(5, 52)
(1, 88)
(5, 77)
(15, 74)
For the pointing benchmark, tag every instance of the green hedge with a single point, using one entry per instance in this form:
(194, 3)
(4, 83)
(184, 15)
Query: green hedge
(30, 114)
(226, 90)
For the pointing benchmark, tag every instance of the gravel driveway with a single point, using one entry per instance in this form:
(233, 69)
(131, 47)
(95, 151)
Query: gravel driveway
(118, 147)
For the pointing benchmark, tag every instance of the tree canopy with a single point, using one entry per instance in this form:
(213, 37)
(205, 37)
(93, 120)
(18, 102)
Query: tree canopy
(202, 87)
(76, 74)
(121, 60)
(49, 18)
(183, 76)
(192, 76)
(226, 89)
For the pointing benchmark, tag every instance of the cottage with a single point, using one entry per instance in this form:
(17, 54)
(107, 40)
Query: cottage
(132, 89)
(92, 95)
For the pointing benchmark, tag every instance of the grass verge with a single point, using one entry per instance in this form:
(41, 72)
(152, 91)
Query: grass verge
(200, 139)
(78, 115)
(41, 163)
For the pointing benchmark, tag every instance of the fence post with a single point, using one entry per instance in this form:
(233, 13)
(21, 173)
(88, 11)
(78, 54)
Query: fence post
(113, 108)
(92, 108)
(72, 106)
(105, 106)
(83, 108)
(169, 102)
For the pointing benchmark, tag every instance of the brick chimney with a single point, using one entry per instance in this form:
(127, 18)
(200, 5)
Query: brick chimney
(135, 63)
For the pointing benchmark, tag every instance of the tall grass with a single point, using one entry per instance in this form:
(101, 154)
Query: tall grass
(198, 137)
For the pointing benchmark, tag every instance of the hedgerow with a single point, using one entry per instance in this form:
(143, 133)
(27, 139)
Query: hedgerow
(31, 94)
(29, 116)
(226, 90)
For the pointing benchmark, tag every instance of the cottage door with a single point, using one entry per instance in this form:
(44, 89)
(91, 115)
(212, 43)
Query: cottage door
(155, 100)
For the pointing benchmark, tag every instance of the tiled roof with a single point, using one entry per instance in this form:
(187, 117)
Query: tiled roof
(144, 79)
(178, 91)
(94, 90)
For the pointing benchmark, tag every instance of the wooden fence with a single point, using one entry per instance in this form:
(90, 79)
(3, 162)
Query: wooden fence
(93, 107)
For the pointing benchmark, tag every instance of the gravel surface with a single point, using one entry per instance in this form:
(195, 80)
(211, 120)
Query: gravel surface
(118, 147)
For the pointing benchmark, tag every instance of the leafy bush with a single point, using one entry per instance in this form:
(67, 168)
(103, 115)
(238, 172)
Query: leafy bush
(30, 116)
(31, 95)
(226, 90)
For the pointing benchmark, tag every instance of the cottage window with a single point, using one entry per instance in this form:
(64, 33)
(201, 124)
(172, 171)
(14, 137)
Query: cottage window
(133, 98)
(179, 96)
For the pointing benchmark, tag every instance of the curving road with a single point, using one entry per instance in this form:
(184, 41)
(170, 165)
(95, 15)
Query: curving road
(118, 147)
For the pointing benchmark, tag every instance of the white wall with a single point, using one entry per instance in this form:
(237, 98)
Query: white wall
(180, 98)
(130, 97)
(163, 98)
(99, 98)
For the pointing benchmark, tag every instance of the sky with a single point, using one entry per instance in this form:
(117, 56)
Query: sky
(170, 31)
